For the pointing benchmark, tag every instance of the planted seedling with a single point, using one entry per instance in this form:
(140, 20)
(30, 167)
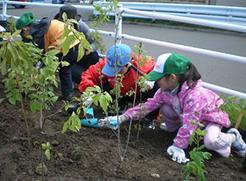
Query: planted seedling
(197, 157)
(235, 107)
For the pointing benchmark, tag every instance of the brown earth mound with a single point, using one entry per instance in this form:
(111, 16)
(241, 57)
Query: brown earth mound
(92, 154)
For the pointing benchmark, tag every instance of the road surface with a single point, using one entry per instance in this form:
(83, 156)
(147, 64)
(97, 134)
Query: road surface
(220, 72)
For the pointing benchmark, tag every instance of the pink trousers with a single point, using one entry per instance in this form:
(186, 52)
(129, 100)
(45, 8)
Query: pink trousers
(214, 139)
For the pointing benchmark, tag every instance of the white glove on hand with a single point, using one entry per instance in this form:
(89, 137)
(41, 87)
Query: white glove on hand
(87, 102)
(178, 154)
(109, 122)
(148, 85)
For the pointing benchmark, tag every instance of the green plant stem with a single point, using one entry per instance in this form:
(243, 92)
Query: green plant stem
(138, 132)
(116, 97)
(41, 113)
(239, 118)
(139, 53)
(23, 112)
(42, 159)
(26, 122)
(130, 126)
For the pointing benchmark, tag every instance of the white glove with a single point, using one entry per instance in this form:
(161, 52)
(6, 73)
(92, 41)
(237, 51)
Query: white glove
(178, 154)
(148, 85)
(109, 122)
(2, 29)
(88, 102)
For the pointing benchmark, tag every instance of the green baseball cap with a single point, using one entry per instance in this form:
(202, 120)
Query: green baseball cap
(169, 63)
(25, 20)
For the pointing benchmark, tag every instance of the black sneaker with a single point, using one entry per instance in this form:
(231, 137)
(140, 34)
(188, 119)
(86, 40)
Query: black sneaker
(148, 124)
(73, 106)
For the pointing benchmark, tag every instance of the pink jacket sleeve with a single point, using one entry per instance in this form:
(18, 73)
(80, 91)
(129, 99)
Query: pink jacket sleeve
(150, 105)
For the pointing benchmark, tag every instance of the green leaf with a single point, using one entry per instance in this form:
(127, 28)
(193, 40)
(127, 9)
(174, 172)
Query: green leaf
(196, 156)
(48, 145)
(108, 97)
(64, 63)
(43, 145)
(12, 100)
(3, 67)
(90, 89)
(200, 132)
(47, 154)
(65, 126)
(16, 33)
(1, 100)
(66, 44)
(52, 53)
(84, 110)
(191, 140)
(81, 52)
(193, 122)
(207, 155)
(103, 103)
(13, 51)
(39, 105)
(33, 106)
(18, 96)
(64, 16)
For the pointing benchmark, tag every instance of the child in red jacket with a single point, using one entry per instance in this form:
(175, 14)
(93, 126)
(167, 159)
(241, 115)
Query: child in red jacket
(121, 60)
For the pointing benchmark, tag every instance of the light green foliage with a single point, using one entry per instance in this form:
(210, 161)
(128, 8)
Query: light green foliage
(116, 90)
(197, 156)
(233, 106)
(99, 98)
(103, 18)
(23, 76)
(138, 126)
(141, 82)
(104, 9)
(71, 35)
(72, 124)
(140, 51)
(118, 85)
(11, 26)
(47, 148)
(141, 60)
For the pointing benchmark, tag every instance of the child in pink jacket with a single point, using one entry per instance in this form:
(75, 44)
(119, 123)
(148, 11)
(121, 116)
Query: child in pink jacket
(182, 99)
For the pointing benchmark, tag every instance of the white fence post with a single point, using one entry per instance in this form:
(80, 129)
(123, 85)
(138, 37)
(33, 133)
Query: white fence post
(4, 10)
(118, 24)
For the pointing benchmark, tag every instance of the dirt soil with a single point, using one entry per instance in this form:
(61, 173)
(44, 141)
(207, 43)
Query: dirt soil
(92, 154)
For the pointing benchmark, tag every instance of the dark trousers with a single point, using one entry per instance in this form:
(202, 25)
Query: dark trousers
(79, 67)
(65, 73)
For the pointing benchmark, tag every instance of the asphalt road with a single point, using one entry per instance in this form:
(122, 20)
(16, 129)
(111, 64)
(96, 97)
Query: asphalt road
(224, 73)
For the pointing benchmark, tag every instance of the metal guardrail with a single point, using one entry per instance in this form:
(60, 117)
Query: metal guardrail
(234, 15)
(118, 34)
